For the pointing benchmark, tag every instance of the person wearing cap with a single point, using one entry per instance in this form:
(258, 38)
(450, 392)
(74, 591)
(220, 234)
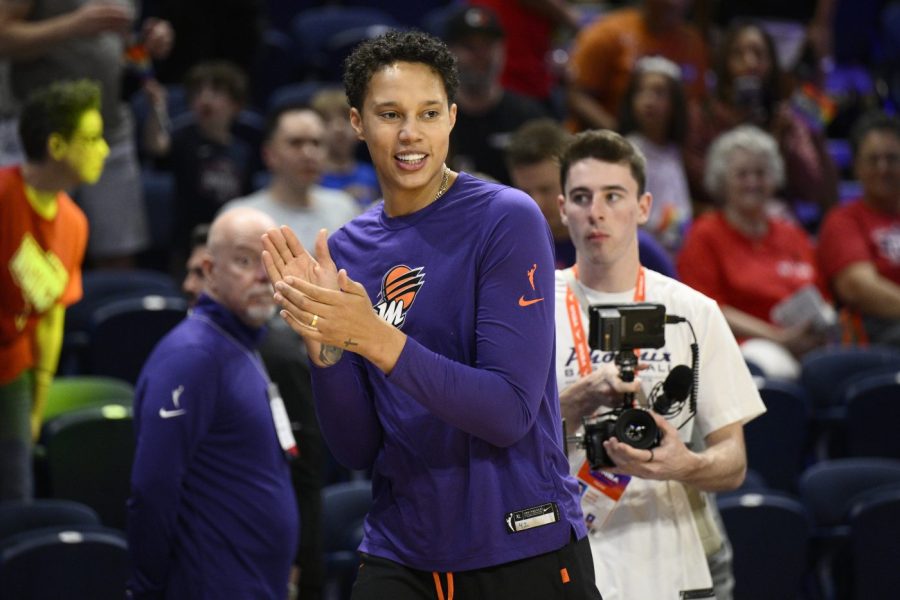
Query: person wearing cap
(487, 113)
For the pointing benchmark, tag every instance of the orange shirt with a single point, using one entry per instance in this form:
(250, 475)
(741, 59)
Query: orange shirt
(42, 268)
(605, 52)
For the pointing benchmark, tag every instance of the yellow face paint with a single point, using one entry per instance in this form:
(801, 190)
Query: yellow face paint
(86, 150)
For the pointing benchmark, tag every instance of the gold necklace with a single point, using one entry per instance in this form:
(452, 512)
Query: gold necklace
(445, 180)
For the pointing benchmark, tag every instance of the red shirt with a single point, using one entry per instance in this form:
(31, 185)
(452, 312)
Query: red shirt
(856, 232)
(528, 37)
(42, 268)
(749, 274)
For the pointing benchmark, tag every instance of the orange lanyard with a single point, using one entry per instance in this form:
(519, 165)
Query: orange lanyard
(573, 310)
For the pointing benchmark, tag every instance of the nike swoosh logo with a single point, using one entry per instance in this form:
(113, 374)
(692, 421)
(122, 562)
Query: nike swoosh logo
(524, 302)
(168, 414)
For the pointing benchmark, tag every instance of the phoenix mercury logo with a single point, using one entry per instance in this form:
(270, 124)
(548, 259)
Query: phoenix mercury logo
(522, 300)
(399, 287)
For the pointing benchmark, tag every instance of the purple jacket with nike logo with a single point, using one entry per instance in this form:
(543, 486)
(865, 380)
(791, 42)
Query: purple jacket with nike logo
(212, 512)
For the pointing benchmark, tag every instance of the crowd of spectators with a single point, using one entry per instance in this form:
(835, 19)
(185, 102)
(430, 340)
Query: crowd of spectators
(727, 101)
(673, 75)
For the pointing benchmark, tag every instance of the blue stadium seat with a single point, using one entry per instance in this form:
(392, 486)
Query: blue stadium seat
(75, 562)
(777, 440)
(830, 489)
(826, 373)
(19, 516)
(873, 413)
(124, 332)
(770, 535)
(101, 286)
(874, 538)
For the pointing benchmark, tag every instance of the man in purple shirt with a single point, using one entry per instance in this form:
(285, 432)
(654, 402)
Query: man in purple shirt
(212, 512)
(446, 390)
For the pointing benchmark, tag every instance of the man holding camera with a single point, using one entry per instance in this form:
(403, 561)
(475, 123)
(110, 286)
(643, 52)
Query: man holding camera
(652, 529)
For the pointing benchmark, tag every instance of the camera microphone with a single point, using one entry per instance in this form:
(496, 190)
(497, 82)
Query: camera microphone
(675, 389)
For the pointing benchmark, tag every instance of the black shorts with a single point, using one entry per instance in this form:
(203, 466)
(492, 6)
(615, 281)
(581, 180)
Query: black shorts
(567, 573)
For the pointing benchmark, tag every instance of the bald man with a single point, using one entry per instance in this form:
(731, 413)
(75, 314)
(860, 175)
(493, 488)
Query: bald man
(212, 512)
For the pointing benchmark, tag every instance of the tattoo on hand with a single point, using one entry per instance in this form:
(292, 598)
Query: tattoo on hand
(349, 342)
(329, 355)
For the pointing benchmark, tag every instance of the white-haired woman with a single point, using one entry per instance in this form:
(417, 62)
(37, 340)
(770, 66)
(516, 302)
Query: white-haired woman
(750, 260)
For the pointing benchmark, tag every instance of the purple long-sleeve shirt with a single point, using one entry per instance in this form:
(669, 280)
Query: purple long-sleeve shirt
(212, 512)
(466, 429)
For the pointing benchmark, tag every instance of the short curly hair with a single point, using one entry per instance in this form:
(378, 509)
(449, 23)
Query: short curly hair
(56, 108)
(398, 46)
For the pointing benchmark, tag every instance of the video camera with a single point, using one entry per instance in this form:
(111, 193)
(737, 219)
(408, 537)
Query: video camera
(623, 329)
